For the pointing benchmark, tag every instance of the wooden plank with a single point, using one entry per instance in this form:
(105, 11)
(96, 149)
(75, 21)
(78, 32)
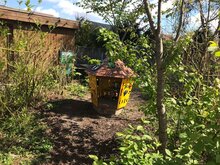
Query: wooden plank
(42, 19)
(43, 28)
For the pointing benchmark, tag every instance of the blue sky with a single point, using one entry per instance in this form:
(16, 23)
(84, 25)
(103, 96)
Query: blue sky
(66, 9)
(57, 8)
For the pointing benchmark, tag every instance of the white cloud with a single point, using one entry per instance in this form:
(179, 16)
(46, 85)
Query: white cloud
(72, 11)
(67, 7)
(48, 11)
(195, 20)
(165, 6)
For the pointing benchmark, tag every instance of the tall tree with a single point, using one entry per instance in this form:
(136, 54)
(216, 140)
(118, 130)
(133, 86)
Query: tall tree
(160, 73)
(160, 60)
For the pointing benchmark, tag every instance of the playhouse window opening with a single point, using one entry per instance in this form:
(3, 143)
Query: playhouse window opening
(109, 88)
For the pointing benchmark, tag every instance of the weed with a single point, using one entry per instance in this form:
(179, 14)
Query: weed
(76, 89)
(22, 135)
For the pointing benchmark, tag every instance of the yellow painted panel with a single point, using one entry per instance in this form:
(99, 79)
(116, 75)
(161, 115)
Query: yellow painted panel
(93, 88)
(125, 91)
(92, 82)
(94, 98)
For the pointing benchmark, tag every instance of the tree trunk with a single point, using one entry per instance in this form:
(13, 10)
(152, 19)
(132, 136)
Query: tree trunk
(161, 111)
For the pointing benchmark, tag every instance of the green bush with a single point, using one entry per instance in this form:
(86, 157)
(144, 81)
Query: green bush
(23, 81)
(26, 74)
(76, 89)
(136, 147)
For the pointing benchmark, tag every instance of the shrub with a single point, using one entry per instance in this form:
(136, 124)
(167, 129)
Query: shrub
(26, 72)
(136, 147)
(23, 80)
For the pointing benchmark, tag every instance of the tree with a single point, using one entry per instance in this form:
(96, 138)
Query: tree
(122, 15)
(160, 74)
(160, 59)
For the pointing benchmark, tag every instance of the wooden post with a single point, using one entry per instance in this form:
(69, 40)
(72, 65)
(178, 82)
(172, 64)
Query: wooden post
(10, 53)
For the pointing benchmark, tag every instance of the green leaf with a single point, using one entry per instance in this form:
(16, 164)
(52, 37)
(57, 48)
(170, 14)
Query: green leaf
(200, 126)
(205, 114)
(189, 102)
(135, 146)
(94, 157)
(183, 135)
(184, 151)
(122, 148)
(213, 46)
(145, 121)
(173, 100)
(181, 68)
(217, 144)
(146, 137)
(140, 128)
(192, 122)
(168, 152)
(217, 53)
(119, 134)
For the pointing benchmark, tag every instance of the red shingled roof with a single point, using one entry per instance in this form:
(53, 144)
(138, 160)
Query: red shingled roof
(119, 71)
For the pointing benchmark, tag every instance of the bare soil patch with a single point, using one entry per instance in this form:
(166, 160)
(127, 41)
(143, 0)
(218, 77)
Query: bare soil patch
(77, 130)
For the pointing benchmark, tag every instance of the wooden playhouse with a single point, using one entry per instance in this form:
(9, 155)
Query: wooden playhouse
(110, 86)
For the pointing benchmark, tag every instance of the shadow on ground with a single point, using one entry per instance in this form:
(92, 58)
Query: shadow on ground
(77, 131)
(73, 108)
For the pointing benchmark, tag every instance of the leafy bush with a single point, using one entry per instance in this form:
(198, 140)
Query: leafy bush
(136, 147)
(23, 81)
(26, 75)
(136, 55)
(76, 89)
(199, 127)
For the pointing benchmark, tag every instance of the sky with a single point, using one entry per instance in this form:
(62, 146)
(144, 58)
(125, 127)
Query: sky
(67, 9)
(58, 8)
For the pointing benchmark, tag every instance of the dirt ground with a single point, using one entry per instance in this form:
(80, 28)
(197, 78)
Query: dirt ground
(76, 130)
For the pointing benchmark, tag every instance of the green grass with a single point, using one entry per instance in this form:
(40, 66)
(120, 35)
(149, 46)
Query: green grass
(23, 139)
(77, 89)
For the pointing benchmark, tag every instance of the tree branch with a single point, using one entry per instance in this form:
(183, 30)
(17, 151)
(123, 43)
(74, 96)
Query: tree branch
(151, 22)
(217, 29)
(181, 18)
(209, 9)
(113, 13)
(159, 17)
(123, 5)
(202, 17)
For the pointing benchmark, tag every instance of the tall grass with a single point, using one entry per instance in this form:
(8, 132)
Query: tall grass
(24, 78)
